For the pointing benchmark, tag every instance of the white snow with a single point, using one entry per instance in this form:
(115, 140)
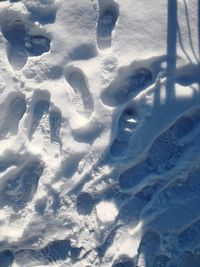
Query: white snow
(106, 211)
(99, 133)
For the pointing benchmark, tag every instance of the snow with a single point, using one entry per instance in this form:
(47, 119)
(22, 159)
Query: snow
(99, 133)
(106, 211)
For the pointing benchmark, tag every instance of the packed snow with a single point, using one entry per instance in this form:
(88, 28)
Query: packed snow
(100, 133)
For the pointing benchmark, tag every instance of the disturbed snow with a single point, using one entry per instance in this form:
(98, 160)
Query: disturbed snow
(99, 133)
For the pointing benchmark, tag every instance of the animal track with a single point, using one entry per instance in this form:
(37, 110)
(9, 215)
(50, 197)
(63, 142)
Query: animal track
(82, 98)
(21, 44)
(127, 85)
(11, 121)
(164, 152)
(127, 124)
(58, 250)
(40, 109)
(19, 189)
(108, 15)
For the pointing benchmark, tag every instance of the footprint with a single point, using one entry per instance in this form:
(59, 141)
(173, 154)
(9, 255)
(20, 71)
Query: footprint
(165, 147)
(196, 253)
(161, 261)
(89, 132)
(127, 85)
(15, 34)
(12, 1)
(133, 176)
(190, 237)
(10, 160)
(43, 11)
(177, 200)
(167, 218)
(181, 190)
(37, 45)
(128, 214)
(188, 260)
(15, 113)
(173, 264)
(70, 165)
(148, 192)
(58, 250)
(108, 15)
(148, 248)
(55, 120)
(40, 109)
(162, 150)
(19, 189)
(6, 258)
(82, 99)
(185, 124)
(21, 44)
(83, 52)
(124, 263)
(127, 124)
(84, 203)
(163, 153)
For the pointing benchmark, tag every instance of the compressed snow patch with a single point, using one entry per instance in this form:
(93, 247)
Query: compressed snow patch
(106, 211)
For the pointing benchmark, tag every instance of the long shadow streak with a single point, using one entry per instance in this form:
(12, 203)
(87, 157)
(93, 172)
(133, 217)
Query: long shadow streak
(198, 14)
(171, 46)
(189, 31)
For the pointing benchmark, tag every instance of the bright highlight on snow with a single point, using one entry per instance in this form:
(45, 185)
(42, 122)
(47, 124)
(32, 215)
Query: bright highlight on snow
(106, 211)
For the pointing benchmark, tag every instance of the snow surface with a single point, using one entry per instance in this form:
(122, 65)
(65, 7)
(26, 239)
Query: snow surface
(100, 133)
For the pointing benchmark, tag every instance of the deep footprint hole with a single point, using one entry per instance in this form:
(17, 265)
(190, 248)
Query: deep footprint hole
(37, 45)
(84, 203)
(6, 258)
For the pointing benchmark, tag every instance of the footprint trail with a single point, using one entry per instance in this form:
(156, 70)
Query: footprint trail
(108, 15)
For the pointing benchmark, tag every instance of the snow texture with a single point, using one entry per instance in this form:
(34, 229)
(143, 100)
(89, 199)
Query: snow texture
(99, 133)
